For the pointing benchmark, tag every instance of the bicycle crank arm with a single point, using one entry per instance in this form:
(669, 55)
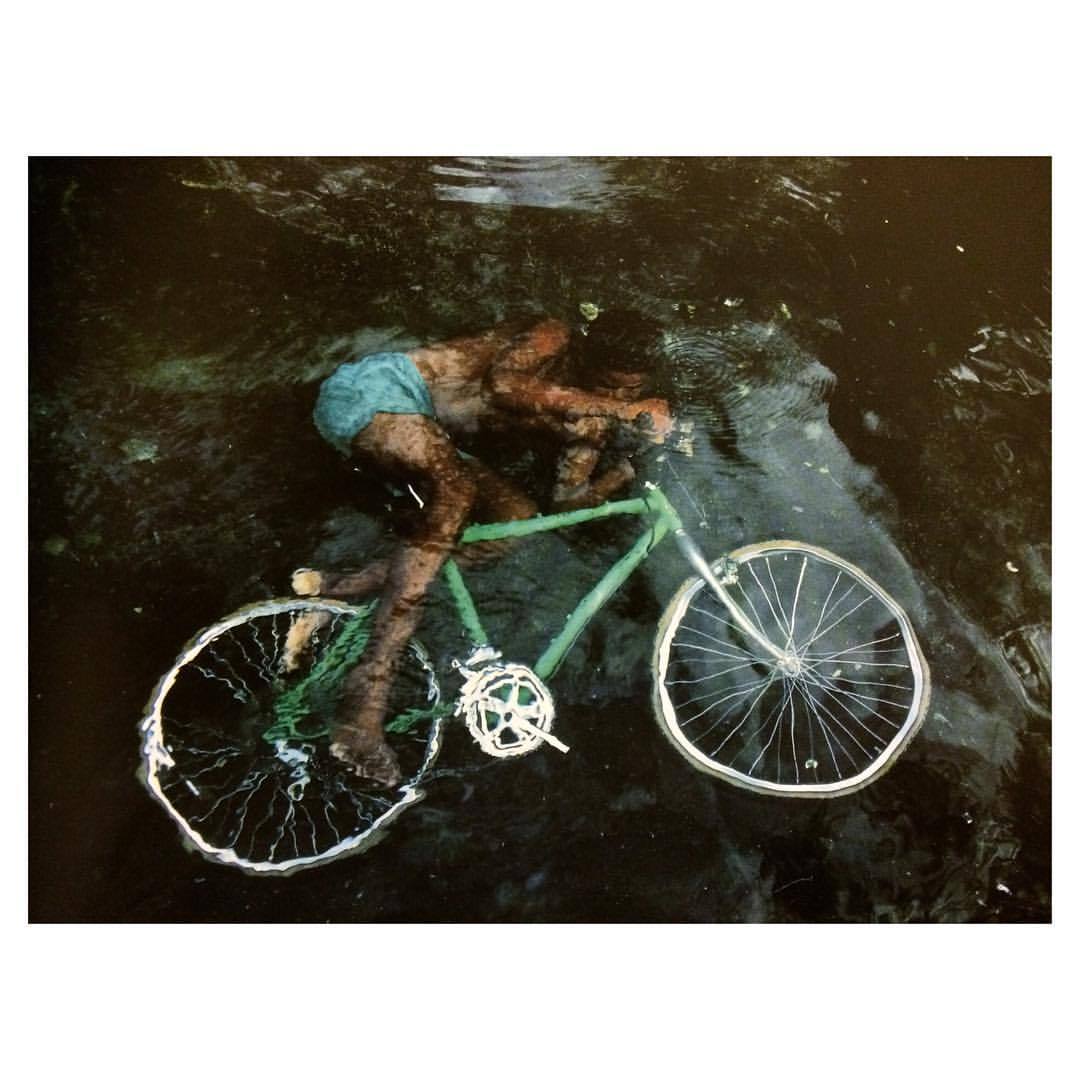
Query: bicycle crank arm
(550, 739)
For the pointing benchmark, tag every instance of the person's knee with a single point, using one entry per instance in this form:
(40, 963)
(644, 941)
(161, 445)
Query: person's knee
(518, 508)
(522, 508)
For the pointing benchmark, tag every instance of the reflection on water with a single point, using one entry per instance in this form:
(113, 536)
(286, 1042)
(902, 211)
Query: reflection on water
(857, 382)
(556, 183)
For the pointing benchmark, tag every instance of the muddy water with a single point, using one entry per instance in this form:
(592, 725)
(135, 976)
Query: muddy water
(864, 346)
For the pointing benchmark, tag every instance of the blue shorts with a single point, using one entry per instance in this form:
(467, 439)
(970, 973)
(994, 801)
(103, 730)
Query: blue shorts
(382, 382)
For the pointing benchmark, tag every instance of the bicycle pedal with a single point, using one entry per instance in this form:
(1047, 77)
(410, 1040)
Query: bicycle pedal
(482, 654)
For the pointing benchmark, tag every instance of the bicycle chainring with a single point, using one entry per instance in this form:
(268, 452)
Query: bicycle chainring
(507, 709)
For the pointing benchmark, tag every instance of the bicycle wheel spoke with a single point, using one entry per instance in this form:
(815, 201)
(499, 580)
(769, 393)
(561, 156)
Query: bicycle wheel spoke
(840, 724)
(746, 717)
(794, 750)
(786, 627)
(739, 698)
(866, 698)
(850, 679)
(847, 615)
(718, 641)
(824, 608)
(836, 693)
(865, 646)
(873, 663)
(217, 763)
(701, 648)
(757, 621)
(832, 740)
(712, 675)
(718, 701)
(724, 622)
(736, 690)
(795, 604)
(255, 665)
(768, 600)
(269, 658)
(778, 712)
(326, 808)
(239, 688)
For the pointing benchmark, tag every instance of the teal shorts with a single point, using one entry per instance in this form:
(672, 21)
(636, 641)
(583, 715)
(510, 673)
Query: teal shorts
(382, 382)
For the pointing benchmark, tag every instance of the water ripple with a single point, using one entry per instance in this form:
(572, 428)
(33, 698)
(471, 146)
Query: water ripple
(759, 375)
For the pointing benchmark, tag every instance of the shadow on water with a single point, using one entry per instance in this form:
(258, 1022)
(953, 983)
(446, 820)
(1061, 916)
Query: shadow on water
(865, 349)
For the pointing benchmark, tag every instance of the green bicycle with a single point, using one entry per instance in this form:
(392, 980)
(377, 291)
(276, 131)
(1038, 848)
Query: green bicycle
(779, 667)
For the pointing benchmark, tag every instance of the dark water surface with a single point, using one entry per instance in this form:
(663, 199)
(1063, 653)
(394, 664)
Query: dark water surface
(865, 347)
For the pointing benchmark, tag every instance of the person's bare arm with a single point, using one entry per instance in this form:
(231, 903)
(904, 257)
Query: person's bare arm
(574, 484)
(516, 383)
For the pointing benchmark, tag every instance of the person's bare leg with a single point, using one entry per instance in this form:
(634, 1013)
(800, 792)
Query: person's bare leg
(497, 499)
(411, 444)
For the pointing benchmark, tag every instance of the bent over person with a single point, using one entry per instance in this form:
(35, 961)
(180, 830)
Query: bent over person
(398, 413)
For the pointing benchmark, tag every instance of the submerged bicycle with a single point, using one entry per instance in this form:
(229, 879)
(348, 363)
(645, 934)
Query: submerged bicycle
(779, 667)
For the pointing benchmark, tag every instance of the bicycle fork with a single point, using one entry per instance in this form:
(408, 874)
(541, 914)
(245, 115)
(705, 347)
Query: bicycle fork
(695, 557)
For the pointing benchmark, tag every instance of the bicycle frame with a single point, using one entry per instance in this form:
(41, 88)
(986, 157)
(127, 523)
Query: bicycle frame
(663, 520)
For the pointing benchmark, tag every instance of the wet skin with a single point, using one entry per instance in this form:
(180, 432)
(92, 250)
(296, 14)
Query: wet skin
(509, 379)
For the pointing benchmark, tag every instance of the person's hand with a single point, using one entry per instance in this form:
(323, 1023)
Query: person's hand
(652, 416)
(589, 429)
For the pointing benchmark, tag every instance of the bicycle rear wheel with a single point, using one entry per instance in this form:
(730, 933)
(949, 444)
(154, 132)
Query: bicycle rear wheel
(235, 740)
(824, 712)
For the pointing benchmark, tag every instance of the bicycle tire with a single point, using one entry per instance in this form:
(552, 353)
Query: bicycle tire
(247, 791)
(831, 716)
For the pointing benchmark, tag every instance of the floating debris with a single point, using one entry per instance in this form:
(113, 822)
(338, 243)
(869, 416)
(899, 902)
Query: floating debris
(964, 373)
(589, 311)
(1028, 652)
(201, 185)
(136, 449)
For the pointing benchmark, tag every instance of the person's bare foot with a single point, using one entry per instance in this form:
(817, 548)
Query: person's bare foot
(306, 582)
(302, 629)
(369, 755)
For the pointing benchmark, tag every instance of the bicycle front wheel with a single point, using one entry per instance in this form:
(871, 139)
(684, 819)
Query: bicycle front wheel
(818, 701)
(235, 740)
